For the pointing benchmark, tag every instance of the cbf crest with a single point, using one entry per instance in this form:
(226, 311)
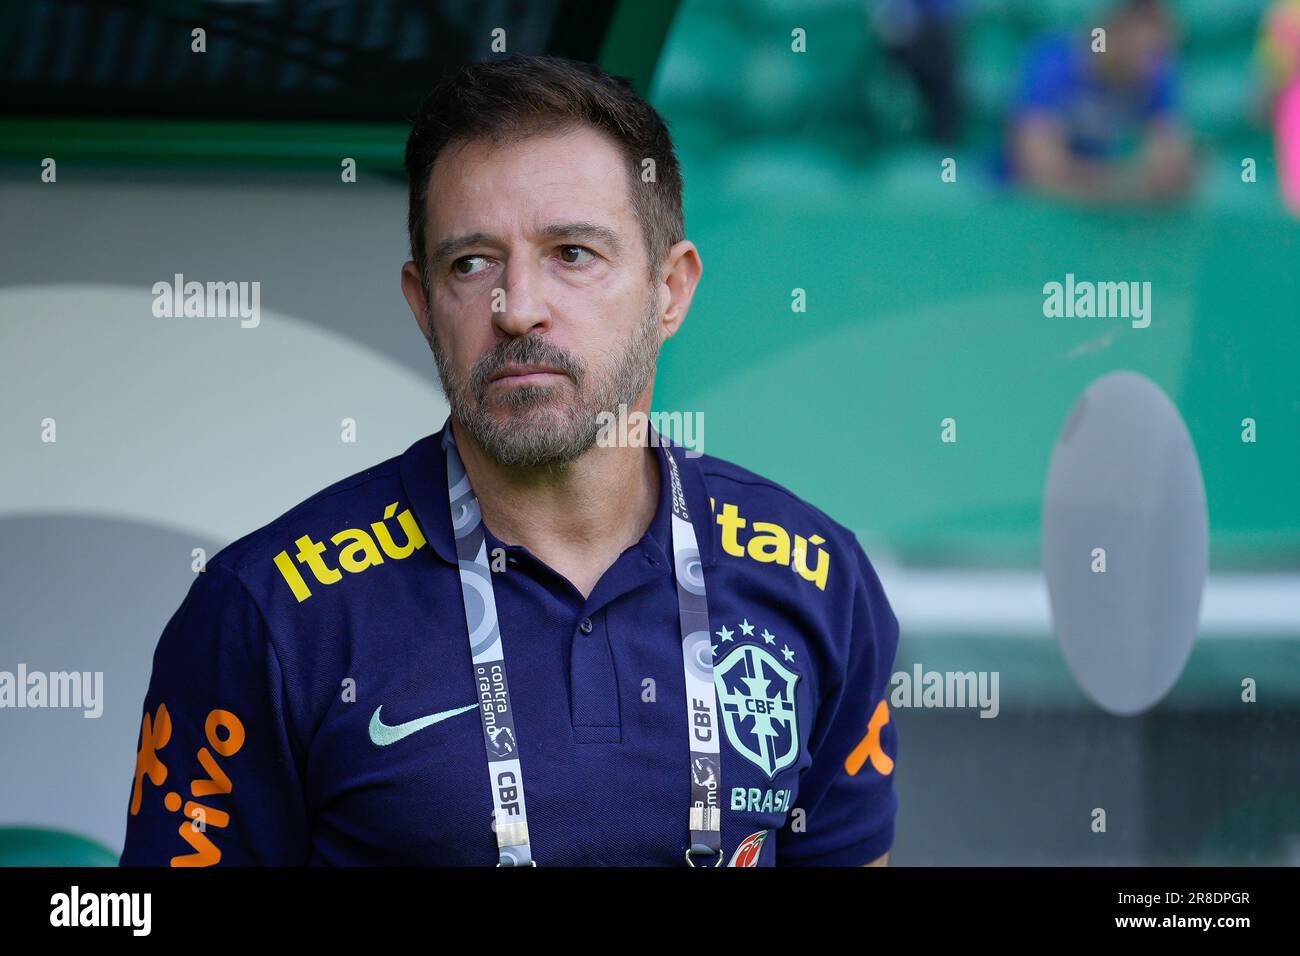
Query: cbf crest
(756, 693)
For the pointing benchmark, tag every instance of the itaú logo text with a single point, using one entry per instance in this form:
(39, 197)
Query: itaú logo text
(770, 543)
(358, 550)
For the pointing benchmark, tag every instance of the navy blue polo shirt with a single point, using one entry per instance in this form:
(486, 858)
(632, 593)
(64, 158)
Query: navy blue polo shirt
(313, 702)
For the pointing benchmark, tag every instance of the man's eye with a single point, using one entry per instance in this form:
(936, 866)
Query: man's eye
(573, 254)
(468, 265)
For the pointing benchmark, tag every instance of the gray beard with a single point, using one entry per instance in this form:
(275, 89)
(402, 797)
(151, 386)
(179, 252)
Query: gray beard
(533, 426)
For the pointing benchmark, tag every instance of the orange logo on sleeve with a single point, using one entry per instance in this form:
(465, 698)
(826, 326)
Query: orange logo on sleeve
(869, 747)
(154, 734)
(226, 735)
(207, 853)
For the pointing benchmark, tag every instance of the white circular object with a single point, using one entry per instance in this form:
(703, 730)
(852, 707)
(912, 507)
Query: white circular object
(1124, 493)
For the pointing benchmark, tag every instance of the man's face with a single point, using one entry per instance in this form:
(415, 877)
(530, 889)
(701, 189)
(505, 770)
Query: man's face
(1138, 42)
(540, 310)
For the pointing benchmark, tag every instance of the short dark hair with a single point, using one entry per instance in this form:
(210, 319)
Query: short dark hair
(519, 95)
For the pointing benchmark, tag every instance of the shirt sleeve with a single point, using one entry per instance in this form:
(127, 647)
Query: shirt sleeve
(847, 794)
(216, 777)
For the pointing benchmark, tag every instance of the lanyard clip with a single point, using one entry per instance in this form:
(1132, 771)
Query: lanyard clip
(703, 853)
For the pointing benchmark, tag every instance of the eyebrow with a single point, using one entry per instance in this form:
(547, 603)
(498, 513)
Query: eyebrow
(579, 231)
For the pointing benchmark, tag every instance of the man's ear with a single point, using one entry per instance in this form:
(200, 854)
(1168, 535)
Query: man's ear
(413, 289)
(681, 274)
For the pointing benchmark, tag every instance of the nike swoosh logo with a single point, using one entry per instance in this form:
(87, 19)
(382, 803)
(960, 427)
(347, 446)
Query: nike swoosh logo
(381, 734)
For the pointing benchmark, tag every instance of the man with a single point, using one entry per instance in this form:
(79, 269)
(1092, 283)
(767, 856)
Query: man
(1098, 124)
(517, 643)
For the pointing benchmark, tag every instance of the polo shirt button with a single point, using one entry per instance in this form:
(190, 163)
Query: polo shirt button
(585, 626)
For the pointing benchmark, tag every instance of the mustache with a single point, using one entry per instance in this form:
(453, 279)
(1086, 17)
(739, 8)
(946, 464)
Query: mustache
(529, 350)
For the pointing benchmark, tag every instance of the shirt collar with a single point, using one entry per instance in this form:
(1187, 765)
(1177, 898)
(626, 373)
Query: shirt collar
(424, 476)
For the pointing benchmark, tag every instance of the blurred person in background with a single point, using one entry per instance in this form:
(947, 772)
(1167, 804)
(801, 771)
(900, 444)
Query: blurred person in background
(1102, 126)
(1279, 55)
(921, 36)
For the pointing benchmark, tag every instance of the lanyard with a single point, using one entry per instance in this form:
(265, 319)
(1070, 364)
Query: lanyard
(500, 741)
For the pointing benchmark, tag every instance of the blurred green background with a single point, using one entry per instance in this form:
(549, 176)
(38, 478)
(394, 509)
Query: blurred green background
(924, 297)
(924, 301)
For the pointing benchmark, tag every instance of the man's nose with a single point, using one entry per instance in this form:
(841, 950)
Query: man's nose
(521, 306)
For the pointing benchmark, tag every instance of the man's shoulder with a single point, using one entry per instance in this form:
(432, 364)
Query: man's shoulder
(355, 501)
(739, 494)
(1051, 65)
(762, 525)
(1056, 47)
(726, 476)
